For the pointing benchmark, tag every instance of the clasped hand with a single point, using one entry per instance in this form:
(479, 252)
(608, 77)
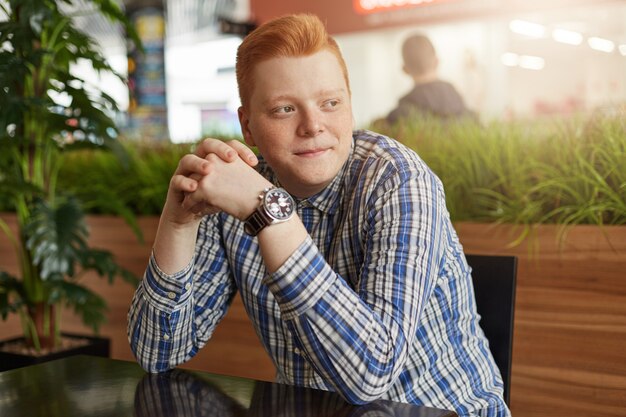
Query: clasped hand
(218, 176)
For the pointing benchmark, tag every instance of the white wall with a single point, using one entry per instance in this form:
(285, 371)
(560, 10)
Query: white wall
(197, 78)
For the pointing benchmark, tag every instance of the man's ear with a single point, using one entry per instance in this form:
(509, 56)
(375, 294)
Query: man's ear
(244, 121)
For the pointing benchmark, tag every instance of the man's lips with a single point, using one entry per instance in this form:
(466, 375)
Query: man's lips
(311, 153)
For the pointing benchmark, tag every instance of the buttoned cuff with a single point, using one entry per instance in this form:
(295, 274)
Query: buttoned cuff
(167, 291)
(301, 281)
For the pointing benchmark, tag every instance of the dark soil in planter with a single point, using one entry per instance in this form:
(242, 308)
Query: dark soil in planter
(15, 354)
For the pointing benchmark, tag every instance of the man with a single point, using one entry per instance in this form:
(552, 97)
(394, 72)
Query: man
(349, 268)
(430, 96)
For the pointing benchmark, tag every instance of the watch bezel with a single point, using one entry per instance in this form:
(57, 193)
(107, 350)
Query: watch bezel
(263, 217)
(268, 205)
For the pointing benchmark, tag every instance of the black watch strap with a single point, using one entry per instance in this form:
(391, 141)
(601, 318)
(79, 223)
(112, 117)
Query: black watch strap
(256, 222)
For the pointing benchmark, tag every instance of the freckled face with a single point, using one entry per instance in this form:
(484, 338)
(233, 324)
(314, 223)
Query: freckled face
(299, 116)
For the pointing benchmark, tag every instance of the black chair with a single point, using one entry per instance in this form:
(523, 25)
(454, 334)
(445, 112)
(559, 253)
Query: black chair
(494, 285)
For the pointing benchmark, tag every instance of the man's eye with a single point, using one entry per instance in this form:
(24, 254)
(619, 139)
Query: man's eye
(284, 109)
(330, 104)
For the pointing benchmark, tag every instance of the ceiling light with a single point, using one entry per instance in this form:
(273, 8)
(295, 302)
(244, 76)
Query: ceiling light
(622, 49)
(601, 44)
(523, 27)
(567, 36)
(531, 62)
(509, 59)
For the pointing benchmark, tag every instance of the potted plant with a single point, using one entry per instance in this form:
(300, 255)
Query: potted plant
(45, 112)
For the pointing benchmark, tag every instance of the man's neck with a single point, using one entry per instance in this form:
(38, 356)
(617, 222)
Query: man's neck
(425, 78)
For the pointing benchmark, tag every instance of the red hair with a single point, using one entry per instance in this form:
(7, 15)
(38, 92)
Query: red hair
(288, 36)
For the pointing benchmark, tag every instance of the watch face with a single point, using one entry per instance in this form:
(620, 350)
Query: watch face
(279, 204)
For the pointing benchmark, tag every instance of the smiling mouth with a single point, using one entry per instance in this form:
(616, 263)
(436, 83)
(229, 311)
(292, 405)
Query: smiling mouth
(311, 153)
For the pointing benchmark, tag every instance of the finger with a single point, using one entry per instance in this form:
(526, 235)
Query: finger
(191, 164)
(183, 184)
(217, 147)
(244, 152)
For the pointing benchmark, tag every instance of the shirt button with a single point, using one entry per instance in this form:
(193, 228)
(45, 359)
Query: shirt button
(166, 336)
(171, 295)
(297, 351)
(187, 286)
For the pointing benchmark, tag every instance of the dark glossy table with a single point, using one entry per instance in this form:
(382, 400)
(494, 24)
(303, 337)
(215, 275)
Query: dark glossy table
(94, 386)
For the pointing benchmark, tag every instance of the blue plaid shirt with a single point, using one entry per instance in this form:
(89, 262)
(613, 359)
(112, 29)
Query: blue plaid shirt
(376, 303)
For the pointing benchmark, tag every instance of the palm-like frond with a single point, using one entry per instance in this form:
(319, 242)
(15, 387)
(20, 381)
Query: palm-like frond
(56, 235)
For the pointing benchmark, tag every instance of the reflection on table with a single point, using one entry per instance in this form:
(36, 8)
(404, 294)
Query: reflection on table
(84, 385)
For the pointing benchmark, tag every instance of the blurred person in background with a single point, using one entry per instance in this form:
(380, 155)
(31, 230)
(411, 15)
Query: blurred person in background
(430, 96)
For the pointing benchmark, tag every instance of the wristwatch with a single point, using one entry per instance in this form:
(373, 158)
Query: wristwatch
(277, 206)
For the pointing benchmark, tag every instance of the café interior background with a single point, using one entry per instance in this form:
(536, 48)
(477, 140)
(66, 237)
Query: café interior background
(554, 61)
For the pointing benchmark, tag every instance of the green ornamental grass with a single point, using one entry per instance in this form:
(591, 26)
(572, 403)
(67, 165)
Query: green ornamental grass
(554, 171)
(557, 171)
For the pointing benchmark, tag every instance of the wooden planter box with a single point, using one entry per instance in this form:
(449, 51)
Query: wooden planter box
(569, 349)
(569, 354)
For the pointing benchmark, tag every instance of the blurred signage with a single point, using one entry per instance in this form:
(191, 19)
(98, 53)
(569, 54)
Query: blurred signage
(376, 6)
(146, 76)
(348, 16)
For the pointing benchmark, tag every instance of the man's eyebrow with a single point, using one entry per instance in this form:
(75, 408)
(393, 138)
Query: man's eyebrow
(290, 97)
(276, 99)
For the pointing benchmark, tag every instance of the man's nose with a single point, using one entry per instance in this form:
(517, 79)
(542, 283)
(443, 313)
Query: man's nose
(311, 123)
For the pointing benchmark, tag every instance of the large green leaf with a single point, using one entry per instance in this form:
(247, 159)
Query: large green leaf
(88, 305)
(57, 235)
